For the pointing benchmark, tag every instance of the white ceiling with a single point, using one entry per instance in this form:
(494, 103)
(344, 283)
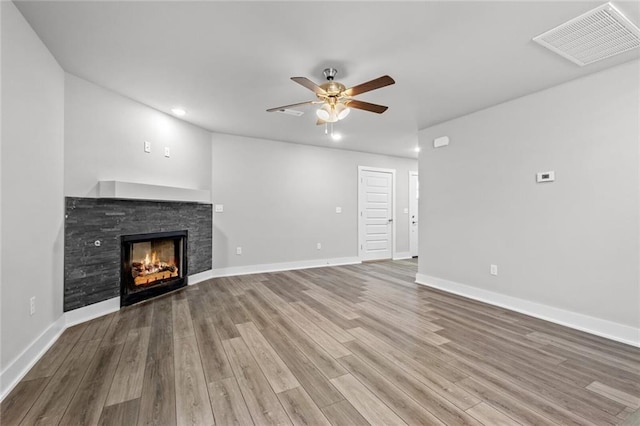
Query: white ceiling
(227, 62)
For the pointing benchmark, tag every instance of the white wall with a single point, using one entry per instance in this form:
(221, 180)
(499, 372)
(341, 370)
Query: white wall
(104, 140)
(280, 198)
(571, 244)
(32, 189)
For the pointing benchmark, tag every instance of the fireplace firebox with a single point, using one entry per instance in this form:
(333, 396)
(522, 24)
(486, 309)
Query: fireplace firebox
(152, 264)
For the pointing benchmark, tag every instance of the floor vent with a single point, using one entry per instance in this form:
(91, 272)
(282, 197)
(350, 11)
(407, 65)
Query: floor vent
(598, 34)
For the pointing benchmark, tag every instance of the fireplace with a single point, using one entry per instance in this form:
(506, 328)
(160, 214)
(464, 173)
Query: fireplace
(152, 264)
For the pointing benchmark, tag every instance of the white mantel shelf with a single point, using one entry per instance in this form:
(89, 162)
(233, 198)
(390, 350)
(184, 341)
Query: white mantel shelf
(143, 191)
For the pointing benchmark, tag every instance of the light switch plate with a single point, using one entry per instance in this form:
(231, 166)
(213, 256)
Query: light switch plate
(219, 208)
(167, 152)
(147, 146)
(406, 210)
(338, 209)
(493, 269)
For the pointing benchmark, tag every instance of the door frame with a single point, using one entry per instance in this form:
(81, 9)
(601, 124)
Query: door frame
(412, 174)
(393, 208)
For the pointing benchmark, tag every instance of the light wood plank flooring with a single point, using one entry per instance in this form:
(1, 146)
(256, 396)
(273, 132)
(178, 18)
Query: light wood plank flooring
(349, 345)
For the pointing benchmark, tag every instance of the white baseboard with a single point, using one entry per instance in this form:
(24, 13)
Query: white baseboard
(599, 327)
(87, 313)
(402, 255)
(200, 276)
(19, 367)
(285, 266)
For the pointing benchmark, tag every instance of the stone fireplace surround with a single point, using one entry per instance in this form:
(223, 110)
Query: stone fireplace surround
(92, 236)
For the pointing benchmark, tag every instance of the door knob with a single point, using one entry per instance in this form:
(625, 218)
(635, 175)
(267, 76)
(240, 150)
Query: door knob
(390, 220)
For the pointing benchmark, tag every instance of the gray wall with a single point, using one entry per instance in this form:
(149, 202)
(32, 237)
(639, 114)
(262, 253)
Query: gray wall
(104, 140)
(31, 182)
(280, 198)
(571, 244)
(104, 135)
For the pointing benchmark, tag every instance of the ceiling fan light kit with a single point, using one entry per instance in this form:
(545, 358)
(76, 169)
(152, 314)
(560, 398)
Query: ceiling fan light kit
(324, 113)
(335, 99)
(342, 111)
(332, 113)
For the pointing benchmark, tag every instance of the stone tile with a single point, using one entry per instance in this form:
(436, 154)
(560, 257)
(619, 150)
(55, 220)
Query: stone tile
(92, 274)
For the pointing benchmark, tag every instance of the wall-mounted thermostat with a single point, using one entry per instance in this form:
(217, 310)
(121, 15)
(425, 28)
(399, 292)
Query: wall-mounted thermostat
(545, 176)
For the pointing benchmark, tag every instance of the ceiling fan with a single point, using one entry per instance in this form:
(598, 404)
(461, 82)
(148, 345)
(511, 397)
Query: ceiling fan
(336, 99)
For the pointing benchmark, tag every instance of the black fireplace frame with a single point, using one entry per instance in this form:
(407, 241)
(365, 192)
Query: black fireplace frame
(126, 279)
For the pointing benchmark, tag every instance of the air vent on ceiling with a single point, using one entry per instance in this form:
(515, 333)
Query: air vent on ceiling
(290, 112)
(593, 36)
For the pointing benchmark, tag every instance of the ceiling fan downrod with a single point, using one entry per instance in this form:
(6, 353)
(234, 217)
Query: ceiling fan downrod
(330, 73)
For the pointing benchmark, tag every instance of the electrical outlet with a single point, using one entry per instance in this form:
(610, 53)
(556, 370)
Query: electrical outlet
(147, 146)
(494, 270)
(319, 246)
(338, 209)
(238, 250)
(167, 152)
(32, 305)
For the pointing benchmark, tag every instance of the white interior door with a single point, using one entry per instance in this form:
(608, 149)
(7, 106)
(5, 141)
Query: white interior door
(376, 214)
(414, 195)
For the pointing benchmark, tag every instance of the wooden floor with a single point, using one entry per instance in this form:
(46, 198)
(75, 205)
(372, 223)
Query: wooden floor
(346, 345)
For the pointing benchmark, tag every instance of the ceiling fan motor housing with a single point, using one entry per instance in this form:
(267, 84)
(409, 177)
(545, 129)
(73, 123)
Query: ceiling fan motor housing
(332, 89)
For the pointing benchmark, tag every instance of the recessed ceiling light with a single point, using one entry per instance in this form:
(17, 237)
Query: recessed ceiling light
(336, 136)
(417, 149)
(178, 111)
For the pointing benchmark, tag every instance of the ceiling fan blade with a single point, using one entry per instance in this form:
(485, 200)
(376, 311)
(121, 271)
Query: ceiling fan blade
(379, 109)
(377, 83)
(304, 81)
(292, 105)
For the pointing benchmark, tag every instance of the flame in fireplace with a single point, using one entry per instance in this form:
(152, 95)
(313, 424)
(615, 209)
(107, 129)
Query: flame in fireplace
(151, 268)
(154, 259)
